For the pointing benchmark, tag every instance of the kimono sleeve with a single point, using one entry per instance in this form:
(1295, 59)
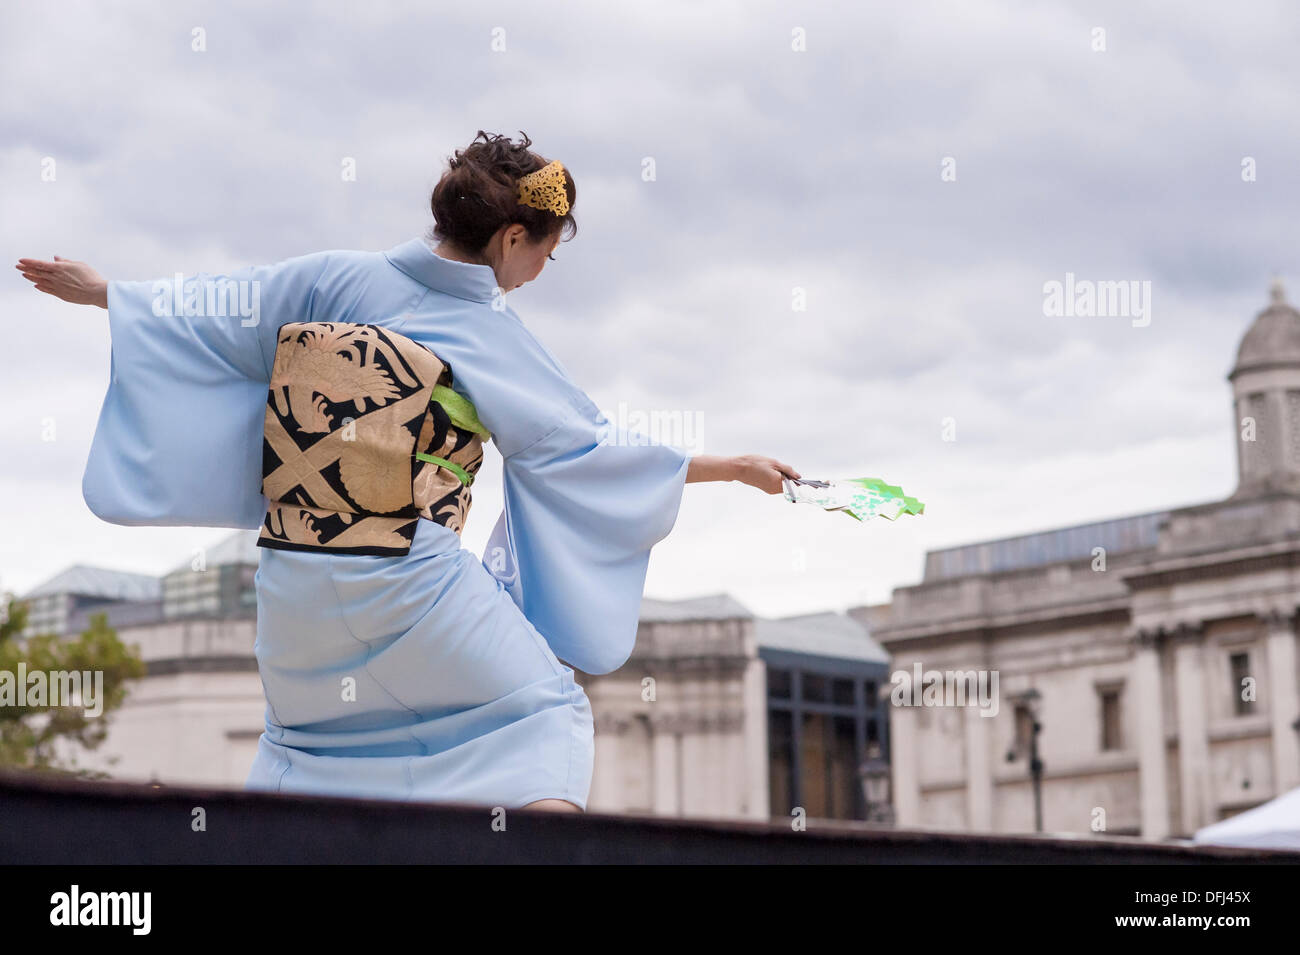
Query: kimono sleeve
(584, 505)
(179, 435)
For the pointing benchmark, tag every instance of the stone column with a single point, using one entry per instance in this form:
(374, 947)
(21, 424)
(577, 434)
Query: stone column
(733, 741)
(757, 797)
(1147, 694)
(979, 770)
(903, 749)
(1195, 809)
(1284, 700)
(605, 795)
(663, 745)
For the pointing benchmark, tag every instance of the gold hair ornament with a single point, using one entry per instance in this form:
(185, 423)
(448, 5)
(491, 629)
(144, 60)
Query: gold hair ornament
(545, 189)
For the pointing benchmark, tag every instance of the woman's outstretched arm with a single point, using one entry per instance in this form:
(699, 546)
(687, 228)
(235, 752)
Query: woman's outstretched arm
(197, 347)
(74, 282)
(752, 469)
(80, 284)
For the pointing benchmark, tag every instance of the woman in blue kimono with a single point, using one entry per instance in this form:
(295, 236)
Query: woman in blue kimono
(338, 401)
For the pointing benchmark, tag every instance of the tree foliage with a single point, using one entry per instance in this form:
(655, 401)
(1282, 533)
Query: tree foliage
(49, 737)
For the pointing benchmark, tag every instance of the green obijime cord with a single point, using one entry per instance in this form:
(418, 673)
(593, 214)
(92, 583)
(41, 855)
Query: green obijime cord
(465, 477)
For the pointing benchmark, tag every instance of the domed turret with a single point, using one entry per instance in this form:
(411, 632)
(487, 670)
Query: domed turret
(1273, 338)
(1266, 400)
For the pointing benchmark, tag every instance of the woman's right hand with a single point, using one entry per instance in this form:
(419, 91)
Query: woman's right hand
(74, 282)
(761, 472)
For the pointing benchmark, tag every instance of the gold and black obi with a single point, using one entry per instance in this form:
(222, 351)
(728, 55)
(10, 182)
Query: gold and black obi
(364, 436)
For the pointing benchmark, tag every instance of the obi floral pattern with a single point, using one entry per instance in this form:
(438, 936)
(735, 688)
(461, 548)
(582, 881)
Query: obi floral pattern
(347, 412)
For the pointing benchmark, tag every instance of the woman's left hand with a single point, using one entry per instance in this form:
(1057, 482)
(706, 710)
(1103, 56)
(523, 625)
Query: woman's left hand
(74, 282)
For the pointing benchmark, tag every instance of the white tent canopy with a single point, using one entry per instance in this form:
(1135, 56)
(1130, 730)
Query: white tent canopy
(1274, 825)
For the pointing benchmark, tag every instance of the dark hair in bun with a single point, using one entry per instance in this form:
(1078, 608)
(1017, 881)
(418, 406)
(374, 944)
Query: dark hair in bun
(478, 194)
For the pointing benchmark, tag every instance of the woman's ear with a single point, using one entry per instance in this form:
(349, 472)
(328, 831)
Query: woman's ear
(503, 242)
(516, 236)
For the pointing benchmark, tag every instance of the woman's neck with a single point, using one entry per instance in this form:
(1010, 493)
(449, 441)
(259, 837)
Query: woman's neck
(447, 250)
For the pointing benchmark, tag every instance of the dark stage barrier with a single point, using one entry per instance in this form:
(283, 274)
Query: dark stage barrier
(48, 819)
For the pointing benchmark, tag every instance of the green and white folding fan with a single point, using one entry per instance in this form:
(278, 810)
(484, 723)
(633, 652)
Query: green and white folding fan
(859, 498)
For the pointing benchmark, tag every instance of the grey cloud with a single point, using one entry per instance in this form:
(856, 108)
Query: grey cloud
(775, 169)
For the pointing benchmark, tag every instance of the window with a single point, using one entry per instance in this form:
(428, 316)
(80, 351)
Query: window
(819, 726)
(815, 688)
(780, 761)
(814, 763)
(828, 766)
(778, 683)
(1239, 663)
(1110, 725)
(842, 691)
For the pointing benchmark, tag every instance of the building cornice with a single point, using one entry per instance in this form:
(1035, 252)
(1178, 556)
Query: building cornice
(986, 628)
(231, 663)
(715, 721)
(1207, 566)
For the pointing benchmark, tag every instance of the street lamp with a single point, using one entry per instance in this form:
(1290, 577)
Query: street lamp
(873, 774)
(1030, 699)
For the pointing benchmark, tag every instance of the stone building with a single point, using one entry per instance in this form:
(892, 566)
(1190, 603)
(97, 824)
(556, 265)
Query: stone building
(1157, 652)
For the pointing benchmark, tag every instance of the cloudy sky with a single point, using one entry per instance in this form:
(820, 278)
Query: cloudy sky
(920, 170)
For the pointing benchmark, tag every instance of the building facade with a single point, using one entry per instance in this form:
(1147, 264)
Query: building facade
(1156, 654)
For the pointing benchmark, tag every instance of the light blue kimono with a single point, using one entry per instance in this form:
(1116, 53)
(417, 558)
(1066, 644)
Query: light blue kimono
(433, 676)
